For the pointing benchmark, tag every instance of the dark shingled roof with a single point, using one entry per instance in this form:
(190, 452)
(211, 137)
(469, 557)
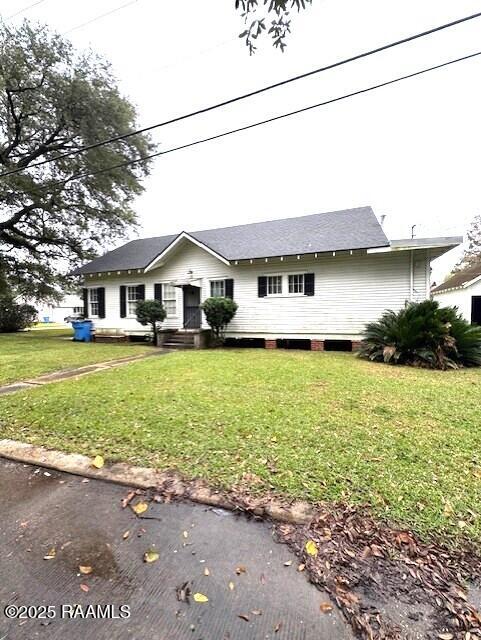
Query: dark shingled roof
(333, 231)
(458, 279)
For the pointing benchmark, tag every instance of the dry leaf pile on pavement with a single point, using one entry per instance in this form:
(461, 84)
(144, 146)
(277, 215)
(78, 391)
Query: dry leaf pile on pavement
(361, 562)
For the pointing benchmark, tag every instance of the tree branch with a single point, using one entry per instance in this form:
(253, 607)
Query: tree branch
(17, 217)
(17, 119)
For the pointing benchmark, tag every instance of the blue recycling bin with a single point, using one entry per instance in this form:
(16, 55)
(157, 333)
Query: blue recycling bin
(82, 330)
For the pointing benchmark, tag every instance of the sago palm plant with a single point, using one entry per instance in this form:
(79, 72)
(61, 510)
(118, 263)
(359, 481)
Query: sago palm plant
(423, 334)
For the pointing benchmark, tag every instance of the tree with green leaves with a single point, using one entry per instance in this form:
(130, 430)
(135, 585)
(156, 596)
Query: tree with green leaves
(14, 315)
(218, 313)
(256, 13)
(472, 254)
(54, 100)
(150, 312)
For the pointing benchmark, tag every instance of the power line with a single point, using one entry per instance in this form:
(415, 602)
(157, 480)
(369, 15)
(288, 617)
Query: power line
(103, 15)
(247, 95)
(262, 122)
(25, 9)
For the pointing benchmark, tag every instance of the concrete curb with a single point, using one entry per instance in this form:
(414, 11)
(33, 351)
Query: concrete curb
(169, 483)
(78, 372)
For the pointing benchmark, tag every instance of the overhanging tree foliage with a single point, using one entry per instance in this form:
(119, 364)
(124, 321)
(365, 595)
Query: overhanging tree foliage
(472, 255)
(255, 14)
(53, 100)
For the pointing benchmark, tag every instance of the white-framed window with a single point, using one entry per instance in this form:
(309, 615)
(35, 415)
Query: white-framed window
(274, 285)
(217, 288)
(132, 299)
(296, 283)
(169, 299)
(93, 303)
(77, 310)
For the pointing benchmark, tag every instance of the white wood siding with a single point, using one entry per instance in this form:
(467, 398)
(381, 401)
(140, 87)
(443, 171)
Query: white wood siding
(460, 298)
(349, 291)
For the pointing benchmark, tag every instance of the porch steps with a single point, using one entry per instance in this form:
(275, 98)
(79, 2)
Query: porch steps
(180, 341)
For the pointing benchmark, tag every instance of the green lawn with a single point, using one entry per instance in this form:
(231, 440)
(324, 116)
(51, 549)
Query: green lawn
(311, 425)
(29, 354)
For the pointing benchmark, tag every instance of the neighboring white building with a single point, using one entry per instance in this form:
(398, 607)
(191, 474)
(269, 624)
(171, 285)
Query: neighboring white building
(319, 277)
(70, 305)
(462, 290)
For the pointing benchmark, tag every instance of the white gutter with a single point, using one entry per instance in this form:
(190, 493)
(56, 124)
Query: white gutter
(412, 244)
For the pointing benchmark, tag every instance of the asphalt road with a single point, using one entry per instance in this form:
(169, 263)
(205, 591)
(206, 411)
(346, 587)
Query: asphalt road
(45, 513)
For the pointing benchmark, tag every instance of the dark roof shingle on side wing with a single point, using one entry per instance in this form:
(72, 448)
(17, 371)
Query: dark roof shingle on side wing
(332, 231)
(460, 278)
(136, 254)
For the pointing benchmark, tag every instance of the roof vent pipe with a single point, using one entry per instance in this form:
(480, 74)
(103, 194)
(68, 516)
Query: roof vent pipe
(383, 218)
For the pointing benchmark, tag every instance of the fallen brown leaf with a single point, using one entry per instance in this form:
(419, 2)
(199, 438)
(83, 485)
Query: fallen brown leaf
(85, 588)
(325, 607)
(183, 592)
(125, 501)
(243, 616)
(240, 569)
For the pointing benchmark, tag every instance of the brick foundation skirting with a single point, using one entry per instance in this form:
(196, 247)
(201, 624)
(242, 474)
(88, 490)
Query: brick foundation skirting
(270, 344)
(317, 345)
(356, 345)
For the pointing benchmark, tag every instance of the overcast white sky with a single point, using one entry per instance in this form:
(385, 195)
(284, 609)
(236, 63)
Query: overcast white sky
(410, 150)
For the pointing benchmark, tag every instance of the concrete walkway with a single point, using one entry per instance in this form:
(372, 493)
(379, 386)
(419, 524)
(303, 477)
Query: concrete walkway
(65, 374)
(72, 522)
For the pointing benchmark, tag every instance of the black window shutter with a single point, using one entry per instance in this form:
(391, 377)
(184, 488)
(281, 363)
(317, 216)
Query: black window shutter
(123, 302)
(85, 296)
(262, 286)
(309, 284)
(141, 292)
(229, 288)
(101, 299)
(158, 292)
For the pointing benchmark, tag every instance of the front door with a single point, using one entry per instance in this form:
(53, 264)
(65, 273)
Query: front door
(476, 309)
(192, 312)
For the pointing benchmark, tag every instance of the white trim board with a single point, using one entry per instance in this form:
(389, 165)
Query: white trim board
(184, 236)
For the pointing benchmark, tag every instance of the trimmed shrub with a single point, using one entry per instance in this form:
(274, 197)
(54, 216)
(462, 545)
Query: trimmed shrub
(150, 312)
(423, 335)
(14, 316)
(218, 313)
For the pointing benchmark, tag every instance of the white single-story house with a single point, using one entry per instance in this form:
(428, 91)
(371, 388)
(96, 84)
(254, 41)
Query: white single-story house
(317, 278)
(462, 290)
(69, 305)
